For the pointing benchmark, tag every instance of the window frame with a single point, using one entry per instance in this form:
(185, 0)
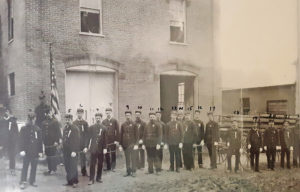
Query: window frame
(181, 95)
(11, 86)
(92, 10)
(10, 20)
(184, 26)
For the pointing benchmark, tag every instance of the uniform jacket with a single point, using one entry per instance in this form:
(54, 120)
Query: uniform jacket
(174, 133)
(31, 140)
(234, 138)
(51, 132)
(211, 133)
(296, 134)
(40, 112)
(271, 137)
(152, 134)
(97, 138)
(189, 132)
(83, 127)
(163, 130)
(129, 134)
(3, 131)
(113, 132)
(13, 132)
(71, 139)
(254, 139)
(200, 130)
(140, 128)
(286, 138)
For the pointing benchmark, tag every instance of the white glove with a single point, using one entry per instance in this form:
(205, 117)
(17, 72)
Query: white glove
(194, 145)
(180, 145)
(216, 143)
(265, 148)
(143, 147)
(73, 154)
(55, 144)
(22, 153)
(291, 148)
(202, 143)
(40, 155)
(162, 143)
(278, 147)
(260, 149)
(104, 151)
(228, 144)
(85, 150)
(241, 150)
(157, 147)
(165, 146)
(135, 147)
(249, 146)
(140, 141)
(120, 148)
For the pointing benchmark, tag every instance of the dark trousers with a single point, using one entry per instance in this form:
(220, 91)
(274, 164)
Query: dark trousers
(160, 157)
(110, 157)
(174, 155)
(212, 151)
(254, 159)
(83, 164)
(152, 159)
(180, 158)
(296, 155)
(236, 153)
(271, 155)
(140, 156)
(32, 160)
(12, 157)
(187, 152)
(285, 151)
(96, 158)
(130, 157)
(52, 159)
(199, 149)
(71, 168)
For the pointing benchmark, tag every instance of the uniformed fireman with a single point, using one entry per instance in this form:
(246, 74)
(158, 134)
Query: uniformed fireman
(286, 142)
(254, 141)
(112, 127)
(211, 139)
(160, 151)
(51, 138)
(200, 136)
(3, 131)
(174, 139)
(83, 127)
(31, 147)
(234, 144)
(152, 139)
(71, 148)
(180, 118)
(140, 162)
(97, 147)
(271, 138)
(296, 153)
(189, 139)
(129, 143)
(41, 110)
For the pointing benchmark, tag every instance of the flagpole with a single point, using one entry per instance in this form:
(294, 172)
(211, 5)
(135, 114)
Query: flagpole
(50, 54)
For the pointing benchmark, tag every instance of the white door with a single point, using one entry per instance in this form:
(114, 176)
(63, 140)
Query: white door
(90, 89)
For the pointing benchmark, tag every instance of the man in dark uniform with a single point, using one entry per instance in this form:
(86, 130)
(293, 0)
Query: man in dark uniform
(211, 139)
(234, 144)
(97, 147)
(174, 138)
(3, 131)
(31, 147)
(152, 139)
(286, 141)
(140, 130)
(160, 151)
(41, 110)
(296, 153)
(112, 127)
(129, 141)
(254, 141)
(83, 127)
(71, 147)
(200, 136)
(180, 118)
(270, 142)
(51, 138)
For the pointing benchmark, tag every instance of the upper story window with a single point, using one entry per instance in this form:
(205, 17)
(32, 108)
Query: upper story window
(91, 17)
(180, 94)
(11, 84)
(177, 21)
(10, 17)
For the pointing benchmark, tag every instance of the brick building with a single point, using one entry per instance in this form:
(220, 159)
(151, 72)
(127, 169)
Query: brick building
(123, 53)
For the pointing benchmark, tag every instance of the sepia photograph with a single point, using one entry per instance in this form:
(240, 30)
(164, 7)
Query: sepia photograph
(149, 95)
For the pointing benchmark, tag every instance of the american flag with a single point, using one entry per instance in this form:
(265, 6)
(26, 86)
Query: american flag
(54, 94)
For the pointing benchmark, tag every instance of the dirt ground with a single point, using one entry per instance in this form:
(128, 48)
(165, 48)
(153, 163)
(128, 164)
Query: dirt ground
(204, 179)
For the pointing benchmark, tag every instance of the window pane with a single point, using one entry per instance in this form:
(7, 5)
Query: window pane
(90, 22)
(177, 34)
(93, 4)
(12, 83)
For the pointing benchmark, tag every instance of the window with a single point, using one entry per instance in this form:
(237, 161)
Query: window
(91, 16)
(277, 107)
(180, 95)
(246, 105)
(11, 84)
(177, 21)
(10, 17)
